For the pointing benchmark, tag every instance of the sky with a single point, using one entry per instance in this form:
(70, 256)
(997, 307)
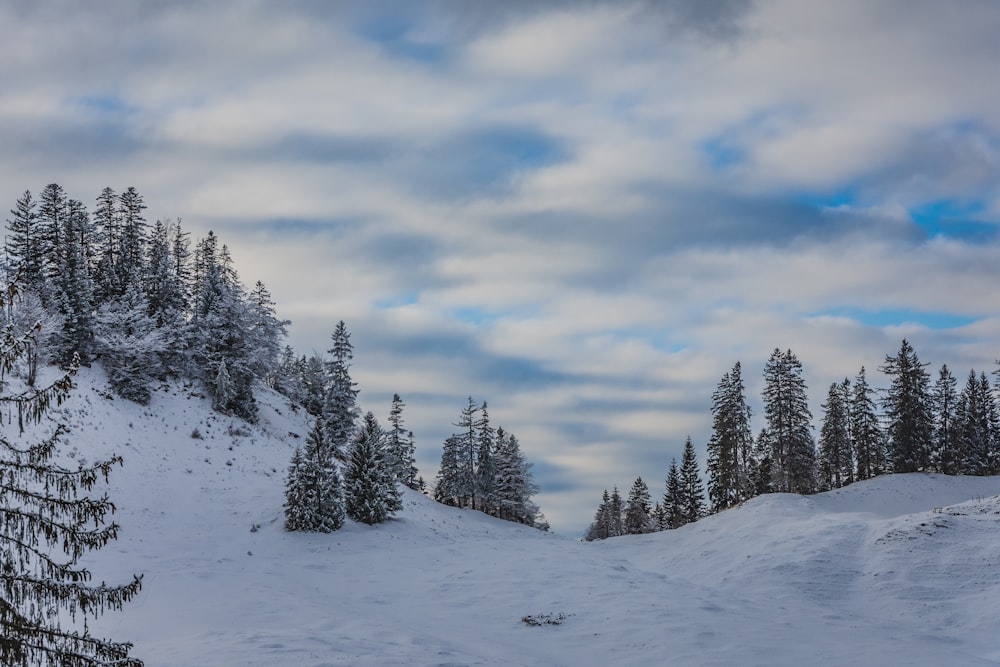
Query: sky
(582, 213)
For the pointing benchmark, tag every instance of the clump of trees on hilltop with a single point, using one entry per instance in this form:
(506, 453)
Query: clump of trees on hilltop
(922, 426)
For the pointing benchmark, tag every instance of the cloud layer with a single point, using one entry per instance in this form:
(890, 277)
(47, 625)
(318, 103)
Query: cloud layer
(583, 213)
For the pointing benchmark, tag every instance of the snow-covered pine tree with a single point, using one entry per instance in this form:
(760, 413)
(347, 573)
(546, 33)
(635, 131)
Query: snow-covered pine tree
(692, 489)
(514, 483)
(977, 417)
(786, 409)
(638, 507)
(866, 432)
(946, 446)
(107, 226)
(763, 470)
(673, 499)
(486, 467)
(266, 333)
(340, 409)
(908, 412)
(447, 483)
(600, 529)
(400, 445)
(370, 492)
(47, 523)
(314, 491)
(134, 237)
(465, 475)
(131, 345)
(731, 444)
(616, 514)
(71, 289)
(25, 244)
(166, 293)
(836, 462)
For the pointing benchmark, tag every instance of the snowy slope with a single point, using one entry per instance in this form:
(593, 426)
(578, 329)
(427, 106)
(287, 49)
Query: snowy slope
(899, 570)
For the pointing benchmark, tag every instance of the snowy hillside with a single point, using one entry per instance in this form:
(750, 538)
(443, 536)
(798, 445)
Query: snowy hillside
(896, 570)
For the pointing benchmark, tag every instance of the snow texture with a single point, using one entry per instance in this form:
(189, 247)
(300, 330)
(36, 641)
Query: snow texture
(902, 569)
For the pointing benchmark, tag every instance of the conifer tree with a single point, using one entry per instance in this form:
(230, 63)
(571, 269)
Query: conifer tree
(447, 484)
(616, 519)
(946, 447)
(673, 499)
(638, 508)
(25, 243)
(866, 433)
(340, 410)
(71, 290)
(692, 490)
(465, 477)
(371, 495)
(977, 416)
(486, 468)
(730, 447)
(786, 409)
(836, 462)
(47, 523)
(131, 345)
(314, 491)
(514, 485)
(908, 413)
(600, 529)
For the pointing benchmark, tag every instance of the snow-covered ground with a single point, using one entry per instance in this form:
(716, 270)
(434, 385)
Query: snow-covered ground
(899, 570)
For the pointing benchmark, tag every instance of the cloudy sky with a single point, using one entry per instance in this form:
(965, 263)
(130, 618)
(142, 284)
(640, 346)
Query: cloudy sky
(583, 213)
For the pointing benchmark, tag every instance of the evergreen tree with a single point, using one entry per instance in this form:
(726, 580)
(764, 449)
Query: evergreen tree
(107, 224)
(763, 470)
(134, 237)
(600, 529)
(166, 297)
(314, 492)
(486, 469)
(465, 477)
(836, 462)
(340, 410)
(946, 447)
(616, 520)
(130, 345)
(908, 411)
(786, 409)
(674, 510)
(638, 507)
(866, 433)
(692, 491)
(25, 243)
(447, 485)
(729, 449)
(514, 484)
(71, 289)
(371, 494)
(47, 523)
(401, 450)
(977, 417)
(266, 333)
(52, 211)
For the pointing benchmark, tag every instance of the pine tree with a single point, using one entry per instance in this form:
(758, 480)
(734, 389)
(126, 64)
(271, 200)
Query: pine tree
(486, 469)
(52, 210)
(130, 345)
(465, 478)
(134, 237)
(616, 519)
(638, 507)
(673, 499)
(340, 409)
(600, 529)
(107, 225)
(692, 491)
(514, 484)
(266, 333)
(314, 491)
(763, 469)
(866, 433)
(447, 484)
(836, 462)
(946, 450)
(786, 409)
(977, 419)
(907, 407)
(47, 523)
(371, 494)
(71, 289)
(729, 449)
(25, 243)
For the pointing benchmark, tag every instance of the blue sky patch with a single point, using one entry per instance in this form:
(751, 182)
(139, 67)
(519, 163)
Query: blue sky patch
(392, 32)
(897, 316)
(953, 218)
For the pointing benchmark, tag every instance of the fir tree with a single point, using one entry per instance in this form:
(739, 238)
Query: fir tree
(514, 485)
(131, 345)
(638, 507)
(340, 410)
(977, 417)
(866, 433)
(836, 463)
(946, 446)
(486, 469)
(907, 407)
(47, 523)
(314, 492)
(465, 478)
(447, 484)
(371, 494)
(692, 491)
(786, 409)
(616, 520)
(25, 243)
(729, 449)
(600, 529)
(673, 499)
(71, 289)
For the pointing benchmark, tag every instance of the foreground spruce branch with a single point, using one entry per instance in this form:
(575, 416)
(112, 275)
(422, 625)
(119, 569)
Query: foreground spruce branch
(47, 523)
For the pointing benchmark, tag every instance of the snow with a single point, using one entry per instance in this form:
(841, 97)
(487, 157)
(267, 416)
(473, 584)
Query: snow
(903, 569)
